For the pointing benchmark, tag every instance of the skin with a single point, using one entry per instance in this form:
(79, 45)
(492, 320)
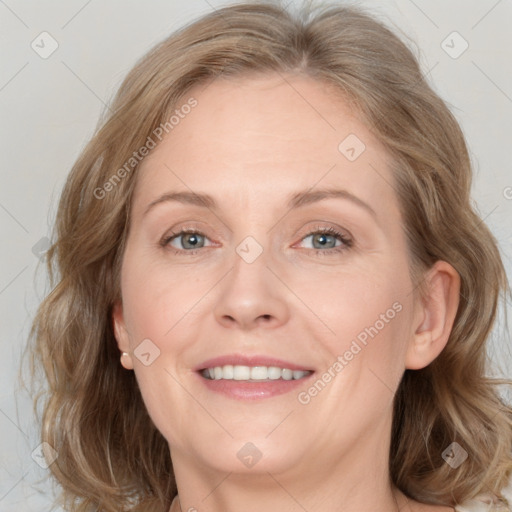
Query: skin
(250, 142)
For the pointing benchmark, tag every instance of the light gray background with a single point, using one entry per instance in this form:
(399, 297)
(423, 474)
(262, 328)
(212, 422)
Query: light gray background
(50, 108)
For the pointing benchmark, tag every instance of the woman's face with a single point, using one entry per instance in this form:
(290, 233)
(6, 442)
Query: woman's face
(260, 279)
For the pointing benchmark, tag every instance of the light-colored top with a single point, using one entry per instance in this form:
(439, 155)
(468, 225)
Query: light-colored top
(484, 503)
(481, 503)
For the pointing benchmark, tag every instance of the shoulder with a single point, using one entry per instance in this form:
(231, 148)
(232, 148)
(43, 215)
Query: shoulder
(485, 502)
(481, 505)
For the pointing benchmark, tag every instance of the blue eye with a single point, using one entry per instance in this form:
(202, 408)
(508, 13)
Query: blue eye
(193, 240)
(325, 237)
(190, 239)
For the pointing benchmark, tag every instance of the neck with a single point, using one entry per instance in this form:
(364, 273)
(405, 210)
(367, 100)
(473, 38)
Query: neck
(359, 480)
(400, 501)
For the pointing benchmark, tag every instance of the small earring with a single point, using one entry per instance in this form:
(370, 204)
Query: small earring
(127, 361)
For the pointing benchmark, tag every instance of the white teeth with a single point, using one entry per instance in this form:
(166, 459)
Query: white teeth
(258, 372)
(228, 372)
(239, 372)
(287, 374)
(274, 373)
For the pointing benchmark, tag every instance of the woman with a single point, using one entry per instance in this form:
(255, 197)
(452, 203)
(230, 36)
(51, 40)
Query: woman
(273, 231)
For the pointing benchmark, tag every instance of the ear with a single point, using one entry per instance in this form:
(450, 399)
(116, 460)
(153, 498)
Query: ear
(121, 334)
(434, 316)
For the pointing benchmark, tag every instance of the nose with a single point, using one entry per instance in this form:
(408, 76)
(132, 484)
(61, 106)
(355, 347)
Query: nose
(252, 295)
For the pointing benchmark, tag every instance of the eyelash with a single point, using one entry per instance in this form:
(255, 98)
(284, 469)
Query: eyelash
(347, 242)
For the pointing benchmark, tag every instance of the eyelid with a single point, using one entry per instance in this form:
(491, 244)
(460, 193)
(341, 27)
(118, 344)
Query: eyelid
(325, 227)
(181, 230)
(347, 240)
(339, 233)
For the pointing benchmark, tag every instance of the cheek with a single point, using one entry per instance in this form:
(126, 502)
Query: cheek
(155, 309)
(155, 299)
(370, 318)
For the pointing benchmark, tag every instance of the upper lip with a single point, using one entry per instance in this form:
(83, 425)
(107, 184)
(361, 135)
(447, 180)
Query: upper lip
(250, 360)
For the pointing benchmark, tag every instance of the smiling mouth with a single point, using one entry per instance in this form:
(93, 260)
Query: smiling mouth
(252, 373)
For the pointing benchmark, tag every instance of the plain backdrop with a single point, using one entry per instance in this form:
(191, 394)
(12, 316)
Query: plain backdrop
(50, 107)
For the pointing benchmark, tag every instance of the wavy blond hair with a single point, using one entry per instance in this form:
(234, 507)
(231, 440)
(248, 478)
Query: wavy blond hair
(111, 457)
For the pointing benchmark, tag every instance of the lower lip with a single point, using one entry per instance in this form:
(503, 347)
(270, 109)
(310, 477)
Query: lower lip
(245, 390)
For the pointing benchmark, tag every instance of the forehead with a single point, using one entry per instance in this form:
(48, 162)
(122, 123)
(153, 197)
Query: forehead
(265, 137)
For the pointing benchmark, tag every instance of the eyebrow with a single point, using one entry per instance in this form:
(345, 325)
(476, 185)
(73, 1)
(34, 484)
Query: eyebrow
(295, 200)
